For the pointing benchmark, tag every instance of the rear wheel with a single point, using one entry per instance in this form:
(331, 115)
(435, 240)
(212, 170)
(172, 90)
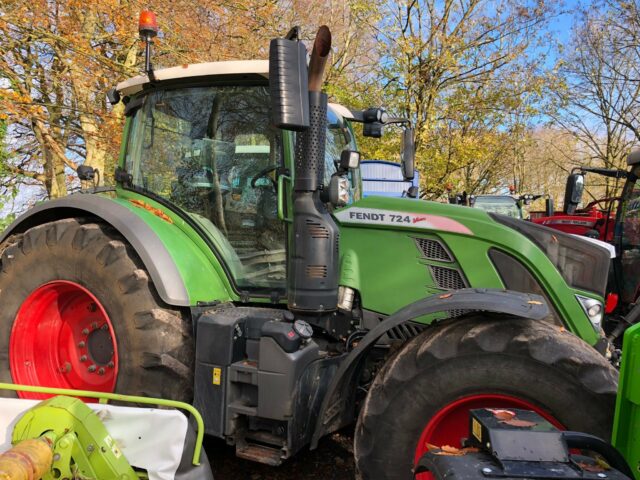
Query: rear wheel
(423, 394)
(80, 311)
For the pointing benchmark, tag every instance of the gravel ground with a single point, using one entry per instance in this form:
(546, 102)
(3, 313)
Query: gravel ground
(333, 460)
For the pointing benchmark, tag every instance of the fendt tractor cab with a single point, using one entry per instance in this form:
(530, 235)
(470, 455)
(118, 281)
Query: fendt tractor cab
(235, 266)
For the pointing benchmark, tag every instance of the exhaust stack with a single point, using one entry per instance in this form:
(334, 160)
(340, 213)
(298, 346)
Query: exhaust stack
(313, 239)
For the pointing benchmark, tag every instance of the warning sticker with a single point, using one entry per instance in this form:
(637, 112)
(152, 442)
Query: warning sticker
(476, 429)
(217, 376)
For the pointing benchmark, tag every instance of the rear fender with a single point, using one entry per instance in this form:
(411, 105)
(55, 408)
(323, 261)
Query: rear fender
(338, 400)
(153, 253)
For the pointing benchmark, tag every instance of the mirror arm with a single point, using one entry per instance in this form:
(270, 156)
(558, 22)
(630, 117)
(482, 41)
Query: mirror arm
(398, 120)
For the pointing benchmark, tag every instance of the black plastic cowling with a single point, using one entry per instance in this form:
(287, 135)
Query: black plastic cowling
(312, 278)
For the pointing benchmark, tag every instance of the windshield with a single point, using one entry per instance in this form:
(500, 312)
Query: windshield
(630, 240)
(502, 205)
(211, 152)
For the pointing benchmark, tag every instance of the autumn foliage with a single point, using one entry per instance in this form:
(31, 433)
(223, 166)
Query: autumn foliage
(59, 58)
(493, 99)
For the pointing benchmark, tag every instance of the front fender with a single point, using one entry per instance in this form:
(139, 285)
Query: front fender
(336, 400)
(154, 255)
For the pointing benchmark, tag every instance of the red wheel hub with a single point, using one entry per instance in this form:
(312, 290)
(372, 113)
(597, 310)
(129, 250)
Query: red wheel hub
(451, 423)
(62, 337)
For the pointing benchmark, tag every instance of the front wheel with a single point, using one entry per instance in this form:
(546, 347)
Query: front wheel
(79, 311)
(423, 394)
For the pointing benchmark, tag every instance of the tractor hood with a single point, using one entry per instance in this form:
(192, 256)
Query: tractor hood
(395, 251)
(584, 265)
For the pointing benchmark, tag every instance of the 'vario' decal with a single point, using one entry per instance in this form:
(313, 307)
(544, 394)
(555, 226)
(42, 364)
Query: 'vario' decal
(371, 216)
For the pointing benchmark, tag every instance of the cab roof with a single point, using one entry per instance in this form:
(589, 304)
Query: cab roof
(235, 67)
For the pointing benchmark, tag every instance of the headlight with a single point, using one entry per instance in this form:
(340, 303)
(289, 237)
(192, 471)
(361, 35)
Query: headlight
(343, 191)
(594, 309)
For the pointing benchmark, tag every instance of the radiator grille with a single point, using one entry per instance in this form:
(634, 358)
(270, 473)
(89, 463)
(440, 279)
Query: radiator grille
(433, 250)
(447, 278)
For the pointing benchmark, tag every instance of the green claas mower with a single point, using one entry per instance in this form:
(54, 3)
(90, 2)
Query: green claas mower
(234, 266)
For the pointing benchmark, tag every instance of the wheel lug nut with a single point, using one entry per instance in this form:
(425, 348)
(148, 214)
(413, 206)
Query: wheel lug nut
(81, 345)
(101, 371)
(83, 358)
(111, 364)
(94, 325)
(105, 327)
(85, 331)
(92, 368)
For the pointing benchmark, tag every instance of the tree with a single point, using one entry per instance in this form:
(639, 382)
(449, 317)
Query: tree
(460, 69)
(597, 101)
(58, 58)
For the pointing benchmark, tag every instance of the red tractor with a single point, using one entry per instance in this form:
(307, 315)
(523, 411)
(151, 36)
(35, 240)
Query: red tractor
(595, 220)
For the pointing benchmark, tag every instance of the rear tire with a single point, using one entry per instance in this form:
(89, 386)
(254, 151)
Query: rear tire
(484, 363)
(153, 354)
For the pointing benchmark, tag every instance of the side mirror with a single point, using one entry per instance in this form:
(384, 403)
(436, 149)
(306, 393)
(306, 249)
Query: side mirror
(85, 172)
(373, 130)
(288, 84)
(349, 160)
(413, 192)
(408, 154)
(573, 193)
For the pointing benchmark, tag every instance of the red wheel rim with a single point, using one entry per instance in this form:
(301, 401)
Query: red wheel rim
(451, 423)
(62, 337)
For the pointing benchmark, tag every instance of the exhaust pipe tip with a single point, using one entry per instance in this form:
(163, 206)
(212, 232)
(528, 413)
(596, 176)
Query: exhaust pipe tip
(319, 56)
(322, 44)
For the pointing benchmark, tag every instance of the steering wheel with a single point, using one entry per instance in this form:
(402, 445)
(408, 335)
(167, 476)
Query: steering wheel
(263, 173)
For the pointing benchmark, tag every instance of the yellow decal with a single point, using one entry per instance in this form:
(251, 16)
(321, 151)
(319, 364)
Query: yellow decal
(217, 376)
(477, 429)
(112, 446)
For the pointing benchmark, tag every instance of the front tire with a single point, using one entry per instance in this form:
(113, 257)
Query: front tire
(80, 311)
(422, 395)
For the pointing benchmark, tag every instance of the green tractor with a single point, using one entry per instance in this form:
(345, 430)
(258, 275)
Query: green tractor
(235, 266)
